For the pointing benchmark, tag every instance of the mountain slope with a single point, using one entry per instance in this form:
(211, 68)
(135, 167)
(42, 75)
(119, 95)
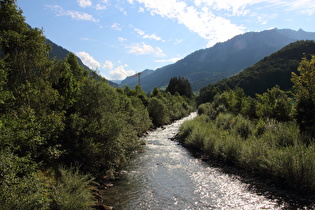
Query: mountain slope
(275, 69)
(225, 59)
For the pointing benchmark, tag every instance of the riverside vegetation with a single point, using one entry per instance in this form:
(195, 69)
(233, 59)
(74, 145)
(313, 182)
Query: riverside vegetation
(271, 134)
(62, 127)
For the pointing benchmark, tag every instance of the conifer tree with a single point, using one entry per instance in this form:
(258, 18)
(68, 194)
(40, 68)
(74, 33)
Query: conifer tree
(181, 86)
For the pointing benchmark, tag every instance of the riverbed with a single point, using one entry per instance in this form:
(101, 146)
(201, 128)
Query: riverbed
(167, 176)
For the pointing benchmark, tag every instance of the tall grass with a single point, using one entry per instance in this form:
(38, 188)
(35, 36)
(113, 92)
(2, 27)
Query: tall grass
(269, 148)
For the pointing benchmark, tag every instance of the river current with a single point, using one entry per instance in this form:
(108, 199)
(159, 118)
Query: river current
(167, 176)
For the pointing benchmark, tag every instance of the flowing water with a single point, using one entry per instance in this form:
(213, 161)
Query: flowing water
(167, 176)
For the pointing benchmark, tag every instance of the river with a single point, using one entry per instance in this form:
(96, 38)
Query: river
(167, 176)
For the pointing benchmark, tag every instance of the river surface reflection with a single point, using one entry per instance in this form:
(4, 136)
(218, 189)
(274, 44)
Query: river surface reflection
(166, 176)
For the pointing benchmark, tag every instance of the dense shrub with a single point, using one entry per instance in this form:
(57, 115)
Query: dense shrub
(72, 190)
(267, 147)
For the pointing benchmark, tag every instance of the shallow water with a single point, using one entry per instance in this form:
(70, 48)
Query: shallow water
(166, 176)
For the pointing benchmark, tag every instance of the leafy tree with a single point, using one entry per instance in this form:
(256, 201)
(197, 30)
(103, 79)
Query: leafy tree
(304, 87)
(28, 120)
(158, 112)
(275, 104)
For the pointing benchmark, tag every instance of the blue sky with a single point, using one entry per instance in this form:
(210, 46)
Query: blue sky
(119, 38)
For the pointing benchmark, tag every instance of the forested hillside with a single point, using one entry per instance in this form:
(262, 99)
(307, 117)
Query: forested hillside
(61, 127)
(273, 70)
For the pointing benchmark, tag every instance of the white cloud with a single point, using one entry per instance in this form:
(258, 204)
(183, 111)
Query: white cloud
(116, 26)
(80, 15)
(100, 7)
(121, 73)
(210, 18)
(178, 41)
(84, 3)
(73, 14)
(121, 39)
(147, 36)
(143, 49)
(88, 60)
(172, 60)
(140, 32)
(200, 20)
(152, 36)
(141, 9)
(108, 65)
(122, 10)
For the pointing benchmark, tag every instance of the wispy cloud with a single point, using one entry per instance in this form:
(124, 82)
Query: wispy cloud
(116, 26)
(73, 14)
(140, 32)
(144, 49)
(152, 36)
(84, 3)
(302, 6)
(178, 41)
(100, 7)
(88, 60)
(121, 39)
(147, 36)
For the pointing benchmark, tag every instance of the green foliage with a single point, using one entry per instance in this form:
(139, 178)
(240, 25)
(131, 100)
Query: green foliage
(275, 104)
(304, 87)
(164, 108)
(72, 190)
(181, 86)
(158, 112)
(21, 184)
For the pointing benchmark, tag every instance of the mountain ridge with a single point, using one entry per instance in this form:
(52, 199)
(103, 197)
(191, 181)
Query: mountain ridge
(206, 66)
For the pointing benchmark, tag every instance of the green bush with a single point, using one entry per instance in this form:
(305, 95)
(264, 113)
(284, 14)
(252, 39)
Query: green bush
(281, 134)
(72, 190)
(225, 121)
(21, 184)
(243, 127)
